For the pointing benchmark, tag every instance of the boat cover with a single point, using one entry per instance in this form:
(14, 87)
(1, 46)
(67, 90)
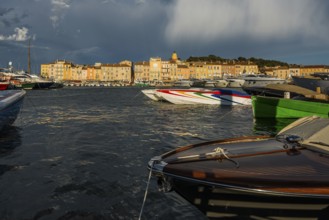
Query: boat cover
(313, 130)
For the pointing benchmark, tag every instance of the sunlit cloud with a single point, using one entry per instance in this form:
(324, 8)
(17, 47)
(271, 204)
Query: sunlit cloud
(21, 34)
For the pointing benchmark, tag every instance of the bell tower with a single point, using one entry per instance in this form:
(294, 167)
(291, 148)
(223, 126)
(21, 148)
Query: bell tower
(174, 56)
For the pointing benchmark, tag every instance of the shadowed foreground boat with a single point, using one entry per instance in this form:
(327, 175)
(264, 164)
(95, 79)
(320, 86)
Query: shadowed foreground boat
(282, 177)
(10, 105)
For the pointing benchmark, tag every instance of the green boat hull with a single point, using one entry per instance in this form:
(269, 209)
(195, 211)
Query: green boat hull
(28, 85)
(271, 107)
(25, 85)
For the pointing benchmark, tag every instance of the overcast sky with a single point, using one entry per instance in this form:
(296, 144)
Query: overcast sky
(108, 31)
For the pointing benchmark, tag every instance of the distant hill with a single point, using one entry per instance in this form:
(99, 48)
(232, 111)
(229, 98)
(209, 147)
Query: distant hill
(258, 61)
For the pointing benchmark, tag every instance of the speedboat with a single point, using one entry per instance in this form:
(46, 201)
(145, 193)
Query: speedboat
(204, 96)
(151, 94)
(258, 177)
(10, 105)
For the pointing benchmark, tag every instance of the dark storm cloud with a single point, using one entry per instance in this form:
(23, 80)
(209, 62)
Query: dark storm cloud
(4, 11)
(109, 31)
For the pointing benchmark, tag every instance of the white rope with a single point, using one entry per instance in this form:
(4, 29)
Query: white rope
(146, 191)
(221, 151)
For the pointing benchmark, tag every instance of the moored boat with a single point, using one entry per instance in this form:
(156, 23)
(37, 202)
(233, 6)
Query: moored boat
(199, 83)
(218, 83)
(261, 80)
(234, 82)
(204, 96)
(183, 83)
(313, 82)
(278, 90)
(274, 107)
(10, 104)
(4, 85)
(257, 177)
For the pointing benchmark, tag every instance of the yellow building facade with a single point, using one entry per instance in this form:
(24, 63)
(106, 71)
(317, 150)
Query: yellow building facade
(170, 70)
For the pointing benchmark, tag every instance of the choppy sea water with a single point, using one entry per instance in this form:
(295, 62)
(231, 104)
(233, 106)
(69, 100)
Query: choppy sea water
(82, 153)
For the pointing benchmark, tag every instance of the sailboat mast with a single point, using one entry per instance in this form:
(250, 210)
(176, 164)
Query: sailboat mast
(29, 58)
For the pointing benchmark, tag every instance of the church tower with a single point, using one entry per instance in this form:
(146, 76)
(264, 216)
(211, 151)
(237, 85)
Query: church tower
(174, 56)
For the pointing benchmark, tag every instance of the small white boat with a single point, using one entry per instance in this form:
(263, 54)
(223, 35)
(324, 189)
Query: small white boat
(221, 83)
(234, 82)
(204, 96)
(10, 105)
(183, 83)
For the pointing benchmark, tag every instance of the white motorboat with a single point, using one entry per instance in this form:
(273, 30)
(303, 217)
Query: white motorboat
(183, 83)
(204, 96)
(234, 82)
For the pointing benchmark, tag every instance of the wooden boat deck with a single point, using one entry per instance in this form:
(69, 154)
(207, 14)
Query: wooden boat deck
(264, 166)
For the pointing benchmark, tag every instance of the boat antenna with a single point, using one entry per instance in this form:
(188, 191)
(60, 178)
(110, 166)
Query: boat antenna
(29, 58)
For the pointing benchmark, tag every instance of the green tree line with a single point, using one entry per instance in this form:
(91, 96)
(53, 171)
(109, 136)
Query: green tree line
(258, 61)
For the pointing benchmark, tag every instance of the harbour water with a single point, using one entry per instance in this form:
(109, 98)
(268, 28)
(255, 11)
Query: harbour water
(82, 153)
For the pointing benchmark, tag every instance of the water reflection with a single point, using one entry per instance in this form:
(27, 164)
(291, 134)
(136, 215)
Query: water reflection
(269, 126)
(10, 138)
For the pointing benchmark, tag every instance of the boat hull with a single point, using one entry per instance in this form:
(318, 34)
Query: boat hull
(271, 107)
(210, 97)
(43, 85)
(225, 202)
(261, 81)
(10, 105)
(4, 86)
(151, 94)
(235, 83)
(255, 177)
(249, 177)
(312, 83)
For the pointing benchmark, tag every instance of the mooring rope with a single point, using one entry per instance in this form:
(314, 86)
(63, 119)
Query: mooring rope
(146, 191)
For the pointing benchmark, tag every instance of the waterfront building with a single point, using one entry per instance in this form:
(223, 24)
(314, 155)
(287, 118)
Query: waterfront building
(62, 70)
(77, 73)
(308, 70)
(228, 70)
(214, 70)
(155, 69)
(245, 68)
(121, 72)
(183, 72)
(142, 71)
(282, 72)
(59, 70)
(294, 71)
(166, 71)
